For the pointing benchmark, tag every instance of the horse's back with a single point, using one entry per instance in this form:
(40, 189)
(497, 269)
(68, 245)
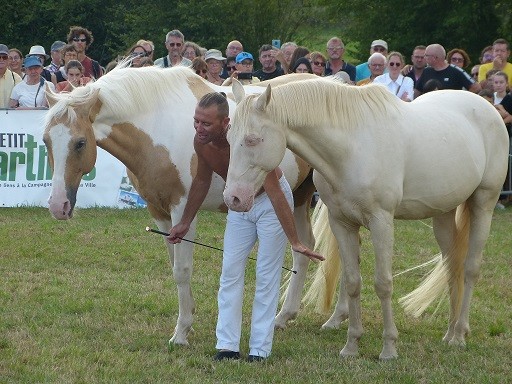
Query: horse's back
(456, 143)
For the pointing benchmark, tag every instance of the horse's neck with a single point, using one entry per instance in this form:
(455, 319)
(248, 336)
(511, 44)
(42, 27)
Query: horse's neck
(307, 143)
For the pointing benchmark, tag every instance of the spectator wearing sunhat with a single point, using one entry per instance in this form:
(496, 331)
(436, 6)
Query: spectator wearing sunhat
(244, 62)
(31, 92)
(215, 62)
(8, 79)
(56, 57)
(363, 70)
(39, 52)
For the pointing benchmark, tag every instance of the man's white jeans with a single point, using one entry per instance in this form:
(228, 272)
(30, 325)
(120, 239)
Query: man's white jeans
(242, 231)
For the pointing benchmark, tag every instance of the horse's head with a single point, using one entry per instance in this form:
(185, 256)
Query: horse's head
(257, 146)
(71, 146)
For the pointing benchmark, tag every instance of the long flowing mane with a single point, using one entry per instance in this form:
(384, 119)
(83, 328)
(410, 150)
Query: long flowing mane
(127, 91)
(308, 102)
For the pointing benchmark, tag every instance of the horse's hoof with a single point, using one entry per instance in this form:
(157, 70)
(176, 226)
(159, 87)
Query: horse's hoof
(331, 324)
(175, 340)
(280, 322)
(388, 355)
(456, 342)
(349, 351)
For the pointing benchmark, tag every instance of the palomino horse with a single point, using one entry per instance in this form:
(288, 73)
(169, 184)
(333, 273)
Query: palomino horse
(143, 117)
(378, 158)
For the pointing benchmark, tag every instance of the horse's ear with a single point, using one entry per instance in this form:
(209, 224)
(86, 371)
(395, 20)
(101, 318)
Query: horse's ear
(264, 99)
(52, 100)
(238, 91)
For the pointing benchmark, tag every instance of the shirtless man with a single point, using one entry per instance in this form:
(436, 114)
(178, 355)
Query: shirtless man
(270, 221)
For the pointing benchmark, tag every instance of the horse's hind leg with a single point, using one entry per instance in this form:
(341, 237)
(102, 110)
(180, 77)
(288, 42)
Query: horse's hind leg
(291, 303)
(340, 313)
(348, 242)
(481, 207)
(445, 232)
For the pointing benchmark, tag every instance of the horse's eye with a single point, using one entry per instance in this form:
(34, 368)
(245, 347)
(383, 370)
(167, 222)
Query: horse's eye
(80, 144)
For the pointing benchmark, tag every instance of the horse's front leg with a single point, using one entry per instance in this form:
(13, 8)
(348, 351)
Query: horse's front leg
(181, 261)
(293, 294)
(348, 242)
(382, 233)
(340, 313)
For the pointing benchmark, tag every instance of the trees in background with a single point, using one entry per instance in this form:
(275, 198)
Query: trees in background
(470, 24)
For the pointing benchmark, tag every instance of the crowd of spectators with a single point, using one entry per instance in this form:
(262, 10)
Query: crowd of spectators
(431, 68)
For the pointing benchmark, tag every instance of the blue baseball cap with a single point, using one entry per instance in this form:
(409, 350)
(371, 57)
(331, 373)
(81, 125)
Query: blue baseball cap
(243, 56)
(32, 61)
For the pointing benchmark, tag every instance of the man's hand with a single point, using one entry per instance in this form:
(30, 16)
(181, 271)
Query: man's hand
(177, 233)
(301, 248)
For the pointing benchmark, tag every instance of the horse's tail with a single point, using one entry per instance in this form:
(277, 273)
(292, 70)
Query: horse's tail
(449, 271)
(327, 275)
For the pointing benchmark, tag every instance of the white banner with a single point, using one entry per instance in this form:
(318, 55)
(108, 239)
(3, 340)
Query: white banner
(25, 175)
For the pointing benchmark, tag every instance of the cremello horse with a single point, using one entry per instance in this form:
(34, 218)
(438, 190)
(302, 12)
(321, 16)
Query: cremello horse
(144, 117)
(442, 156)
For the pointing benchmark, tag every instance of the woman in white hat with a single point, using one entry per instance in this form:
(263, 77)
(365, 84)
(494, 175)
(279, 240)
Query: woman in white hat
(30, 93)
(215, 62)
(39, 52)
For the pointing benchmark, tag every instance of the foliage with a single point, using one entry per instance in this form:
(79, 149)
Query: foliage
(92, 300)
(470, 25)
(117, 25)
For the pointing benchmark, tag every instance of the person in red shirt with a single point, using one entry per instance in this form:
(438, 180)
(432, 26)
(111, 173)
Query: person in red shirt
(82, 38)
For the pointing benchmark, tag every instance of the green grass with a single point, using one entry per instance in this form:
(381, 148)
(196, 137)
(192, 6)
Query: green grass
(92, 300)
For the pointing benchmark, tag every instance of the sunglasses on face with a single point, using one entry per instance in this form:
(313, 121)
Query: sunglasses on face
(199, 71)
(139, 54)
(393, 64)
(174, 45)
(4, 57)
(77, 39)
(379, 49)
(231, 68)
(319, 63)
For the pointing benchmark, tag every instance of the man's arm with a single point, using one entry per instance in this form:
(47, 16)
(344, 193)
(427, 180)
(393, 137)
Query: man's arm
(507, 117)
(285, 215)
(197, 194)
(475, 87)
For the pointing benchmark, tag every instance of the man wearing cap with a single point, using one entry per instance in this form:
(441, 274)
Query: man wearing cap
(82, 38)
(56, 57)
(335, 64)
(30, 93)
(363, 70)
(269, 70)
(39, 52)
(174, 43)
(243, 72)
(214, 62)
(8, 79)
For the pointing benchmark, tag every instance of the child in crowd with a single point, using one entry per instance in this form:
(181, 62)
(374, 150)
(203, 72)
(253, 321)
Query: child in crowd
(499, 83)
(75, 77)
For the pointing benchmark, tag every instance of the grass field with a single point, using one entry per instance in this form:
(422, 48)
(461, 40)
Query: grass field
(92, 300)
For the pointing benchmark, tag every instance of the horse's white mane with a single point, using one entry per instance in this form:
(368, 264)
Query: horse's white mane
(142, 87)
(308, 102)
